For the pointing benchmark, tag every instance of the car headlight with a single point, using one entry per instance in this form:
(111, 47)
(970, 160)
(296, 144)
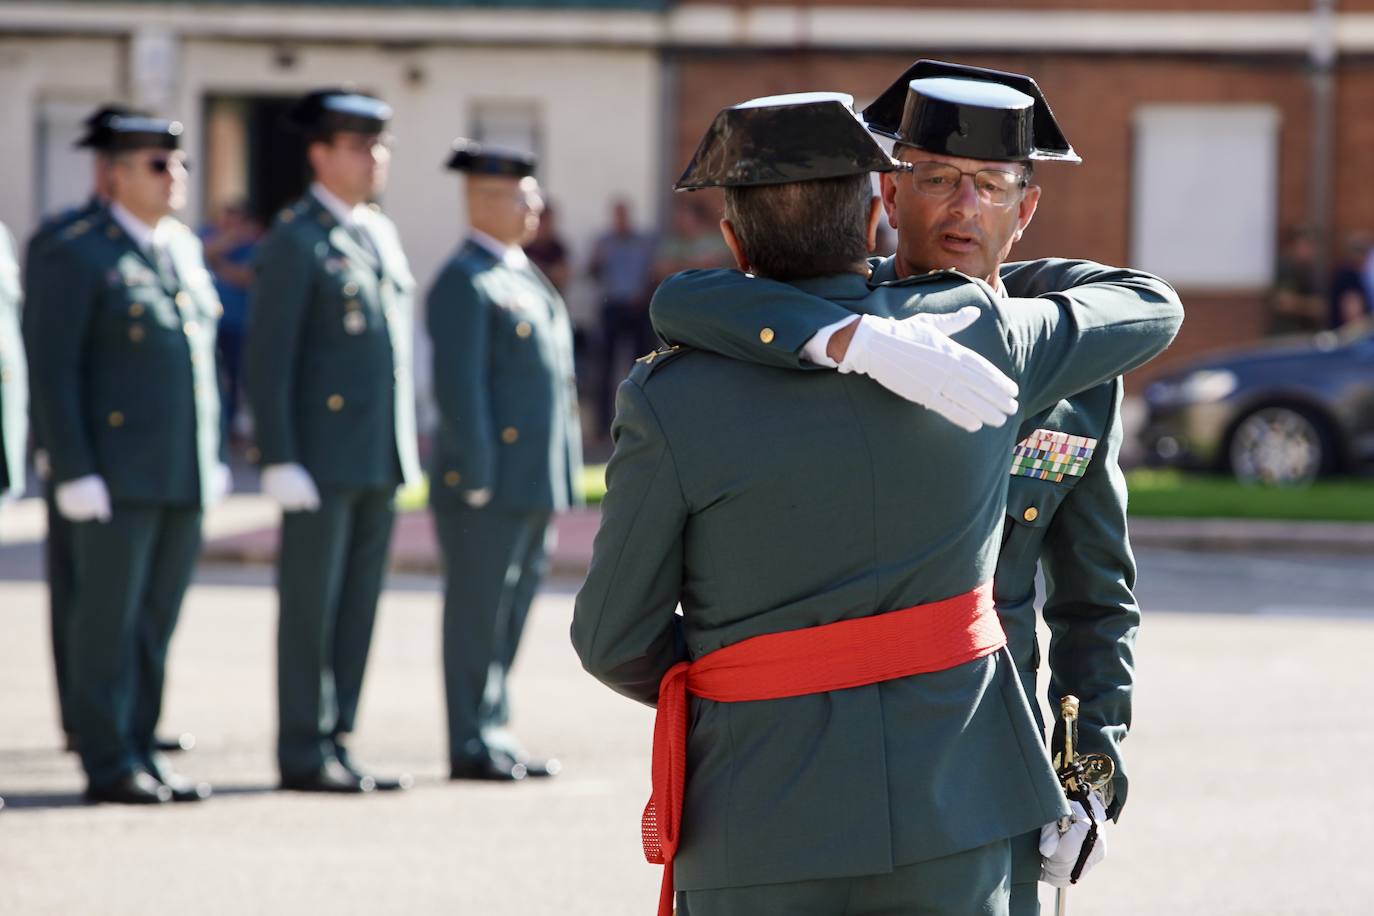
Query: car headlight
(1205, 386)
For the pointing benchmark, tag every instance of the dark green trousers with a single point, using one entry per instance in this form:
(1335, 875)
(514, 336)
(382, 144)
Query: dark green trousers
(329, 577)
(493, 562)
(1025, 874)
(59, 566)
(971, 883)
(131, 574)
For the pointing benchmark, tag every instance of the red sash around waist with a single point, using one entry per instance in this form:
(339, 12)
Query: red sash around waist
(835, 656)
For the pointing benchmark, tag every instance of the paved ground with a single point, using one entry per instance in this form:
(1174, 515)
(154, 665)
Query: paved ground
(1253, 734)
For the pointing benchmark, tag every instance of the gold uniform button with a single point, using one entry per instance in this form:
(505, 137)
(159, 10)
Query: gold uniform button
(509, 435)
(522, 330)
(1031, 514)
(452, 478)
(767, 335)
(287, 216)
(136, 310)
(116, 418)
(335, 402)
(352, 304)
(136, 333)
(112, 232)
(183, 300)
(350, 288)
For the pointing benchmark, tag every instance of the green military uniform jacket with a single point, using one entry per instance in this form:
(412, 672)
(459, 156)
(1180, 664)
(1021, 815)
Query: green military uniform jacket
(122, 357)
(329, 370)
(14, 373)
(503, 380)
(50, 231)
(765, 500)
(1073, 524)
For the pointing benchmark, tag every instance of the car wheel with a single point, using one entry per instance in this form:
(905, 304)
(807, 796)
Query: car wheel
(1279, 446)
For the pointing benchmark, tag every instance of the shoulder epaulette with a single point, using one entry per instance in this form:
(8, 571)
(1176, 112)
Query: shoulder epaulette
(76, 229)
(649, 362)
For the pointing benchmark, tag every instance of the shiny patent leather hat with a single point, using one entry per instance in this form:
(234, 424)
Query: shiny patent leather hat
(778, 139)
(972, 112)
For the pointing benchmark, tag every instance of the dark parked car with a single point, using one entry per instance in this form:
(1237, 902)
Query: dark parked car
(1281, 412)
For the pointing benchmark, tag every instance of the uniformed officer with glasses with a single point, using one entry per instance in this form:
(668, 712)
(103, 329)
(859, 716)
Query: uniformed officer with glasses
(122, 338)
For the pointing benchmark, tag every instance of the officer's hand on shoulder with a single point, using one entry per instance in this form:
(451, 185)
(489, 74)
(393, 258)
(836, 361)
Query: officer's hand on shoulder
(291, 487)
(83, 499)
(1060, 852)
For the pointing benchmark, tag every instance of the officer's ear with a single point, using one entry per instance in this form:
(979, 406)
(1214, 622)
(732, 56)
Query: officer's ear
(875, 213)
(727, 230)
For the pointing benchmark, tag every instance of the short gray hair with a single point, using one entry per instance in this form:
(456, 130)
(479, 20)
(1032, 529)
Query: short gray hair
(802, 228)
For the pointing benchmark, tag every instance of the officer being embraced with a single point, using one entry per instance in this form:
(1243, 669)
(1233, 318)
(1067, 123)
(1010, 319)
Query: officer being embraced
(857, 730)
(973, 137)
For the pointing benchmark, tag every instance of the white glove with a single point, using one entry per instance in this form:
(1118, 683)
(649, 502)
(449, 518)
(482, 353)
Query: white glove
(291, 487)
(478, 498)
(916, 359)
(221, 483)
(84, 499)
(1060, 852)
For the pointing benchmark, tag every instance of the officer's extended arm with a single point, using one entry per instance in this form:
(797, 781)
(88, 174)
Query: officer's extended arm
(727, 312)
(1090, 608)
(624, 629)
(459, 322)
(1074, 339)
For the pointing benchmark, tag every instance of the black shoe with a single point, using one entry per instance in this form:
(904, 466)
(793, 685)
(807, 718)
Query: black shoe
(172, 745)
(138, 788)
(542, 769)
(380, 783)
(183, 789)
(491, 769)
(332, 777)
(534, 767)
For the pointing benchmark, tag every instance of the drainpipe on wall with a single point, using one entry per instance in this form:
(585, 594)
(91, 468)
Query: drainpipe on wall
(1322, 59)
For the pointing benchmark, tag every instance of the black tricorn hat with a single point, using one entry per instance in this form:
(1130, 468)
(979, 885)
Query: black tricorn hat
(490, 159)
(778, 139)
(97, 125)
(126, 133)
(327, 111)
(973, 112)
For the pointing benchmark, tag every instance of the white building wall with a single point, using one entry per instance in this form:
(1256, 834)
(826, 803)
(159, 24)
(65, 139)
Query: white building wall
(39, 74)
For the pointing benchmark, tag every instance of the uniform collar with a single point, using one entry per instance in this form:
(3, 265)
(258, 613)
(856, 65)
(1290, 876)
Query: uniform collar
(835, 286)
(345, 215)
(144, 236)
(510, 255)
(885, 271)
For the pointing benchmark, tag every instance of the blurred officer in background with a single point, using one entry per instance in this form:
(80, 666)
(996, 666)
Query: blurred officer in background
(122, 349)
(508, 452)
(14, 377)
(329, 379)
(58, 563)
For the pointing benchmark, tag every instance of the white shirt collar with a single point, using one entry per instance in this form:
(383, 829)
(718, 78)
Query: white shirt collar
(145, 237)
(510, 255)
(346, 215)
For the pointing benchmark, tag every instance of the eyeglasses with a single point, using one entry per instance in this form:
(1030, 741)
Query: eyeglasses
(162, 166)
(995, 187)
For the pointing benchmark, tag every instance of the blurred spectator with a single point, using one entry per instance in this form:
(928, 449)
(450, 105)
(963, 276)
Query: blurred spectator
(1350, 299)
(231, 246)
(1293, 303)
(548, 252)
(693, 240)
(622, 264)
